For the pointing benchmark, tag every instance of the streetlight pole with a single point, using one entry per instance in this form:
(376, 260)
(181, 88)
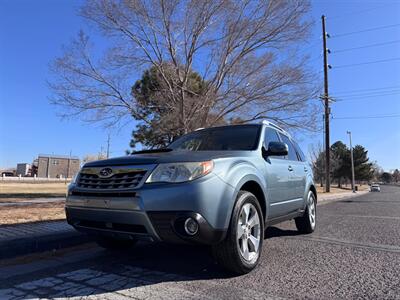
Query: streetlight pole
(353, 186)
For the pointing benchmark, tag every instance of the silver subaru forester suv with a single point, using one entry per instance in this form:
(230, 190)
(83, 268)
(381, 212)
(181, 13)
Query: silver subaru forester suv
(218, 186)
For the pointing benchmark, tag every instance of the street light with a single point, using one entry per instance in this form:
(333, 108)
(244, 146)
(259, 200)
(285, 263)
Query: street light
(352, 164)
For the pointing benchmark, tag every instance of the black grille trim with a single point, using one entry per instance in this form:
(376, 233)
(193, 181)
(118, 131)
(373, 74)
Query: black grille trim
(129, 228)
(128, 180)
(104, 194)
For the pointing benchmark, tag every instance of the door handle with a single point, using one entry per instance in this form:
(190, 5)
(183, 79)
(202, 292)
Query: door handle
(305, 169)
(290, 168)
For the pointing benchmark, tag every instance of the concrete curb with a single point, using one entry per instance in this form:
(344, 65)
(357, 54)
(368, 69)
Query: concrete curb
(340, 196)
(21, 239)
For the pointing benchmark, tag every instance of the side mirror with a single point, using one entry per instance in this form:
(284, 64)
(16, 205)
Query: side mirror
(276, 149)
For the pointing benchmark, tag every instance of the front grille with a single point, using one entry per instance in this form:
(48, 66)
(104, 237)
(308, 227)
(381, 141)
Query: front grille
(127, 180)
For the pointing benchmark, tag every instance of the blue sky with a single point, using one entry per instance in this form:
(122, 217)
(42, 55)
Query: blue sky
(32, 32)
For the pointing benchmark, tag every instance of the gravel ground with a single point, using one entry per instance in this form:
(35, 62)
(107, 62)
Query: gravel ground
(354, 253)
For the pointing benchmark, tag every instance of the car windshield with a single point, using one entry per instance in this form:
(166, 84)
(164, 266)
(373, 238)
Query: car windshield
(239, 137)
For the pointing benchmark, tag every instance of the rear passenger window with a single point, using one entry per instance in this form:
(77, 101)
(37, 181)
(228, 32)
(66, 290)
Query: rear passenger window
(292, 152)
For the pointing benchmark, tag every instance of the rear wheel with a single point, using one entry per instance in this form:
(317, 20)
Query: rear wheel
(241, 249)
(306, 223)
(114, 244)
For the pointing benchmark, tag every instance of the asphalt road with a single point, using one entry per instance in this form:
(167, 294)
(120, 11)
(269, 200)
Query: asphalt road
(354, 253)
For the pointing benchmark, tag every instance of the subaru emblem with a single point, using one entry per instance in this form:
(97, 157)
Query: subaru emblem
(106, 172)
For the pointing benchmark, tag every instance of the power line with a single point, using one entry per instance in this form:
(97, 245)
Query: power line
(355, 12)
(372, 89)
(366, 63)
(365, 30)
(367, 117)
(345, 99)
(366, 46)
(372, 93)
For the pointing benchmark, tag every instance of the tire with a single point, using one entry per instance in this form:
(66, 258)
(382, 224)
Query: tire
(231, 252)
(306, 223)
(114, 244)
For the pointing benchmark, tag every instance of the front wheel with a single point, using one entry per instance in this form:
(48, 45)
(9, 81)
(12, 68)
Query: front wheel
(306, 223)
(241, 249)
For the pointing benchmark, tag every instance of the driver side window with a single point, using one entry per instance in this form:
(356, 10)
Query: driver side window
(271, 136)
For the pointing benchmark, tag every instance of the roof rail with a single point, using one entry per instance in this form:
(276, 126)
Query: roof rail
(265, 122)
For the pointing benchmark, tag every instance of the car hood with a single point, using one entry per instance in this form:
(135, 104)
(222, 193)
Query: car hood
(167, 157)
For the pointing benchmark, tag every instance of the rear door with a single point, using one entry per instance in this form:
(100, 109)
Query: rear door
(277, 177)
(296, 178)
(303, 170)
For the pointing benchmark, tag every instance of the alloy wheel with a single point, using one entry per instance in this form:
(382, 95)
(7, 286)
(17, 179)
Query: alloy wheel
(249, 233)
(311, 210)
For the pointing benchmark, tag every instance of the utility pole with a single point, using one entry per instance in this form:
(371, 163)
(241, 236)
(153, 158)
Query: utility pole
(69, 166)
(353, 185)
(327, 110)
(108, 146)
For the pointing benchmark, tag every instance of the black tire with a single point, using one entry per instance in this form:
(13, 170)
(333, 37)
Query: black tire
(227, 253)
(304, 223)
(114, 244)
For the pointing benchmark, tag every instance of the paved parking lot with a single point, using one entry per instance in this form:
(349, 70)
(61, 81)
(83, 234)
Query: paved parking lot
(354, 253)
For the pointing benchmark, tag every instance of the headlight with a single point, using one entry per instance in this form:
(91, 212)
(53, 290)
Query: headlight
(180, 172)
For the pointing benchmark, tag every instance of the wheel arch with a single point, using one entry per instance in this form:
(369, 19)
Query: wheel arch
(255, 188)
(314, 190)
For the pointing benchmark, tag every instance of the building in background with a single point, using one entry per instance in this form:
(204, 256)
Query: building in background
(10, 172)
(57, 166)
(23, 169)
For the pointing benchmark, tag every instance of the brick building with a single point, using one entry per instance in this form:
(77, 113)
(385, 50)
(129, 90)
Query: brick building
(56, 166)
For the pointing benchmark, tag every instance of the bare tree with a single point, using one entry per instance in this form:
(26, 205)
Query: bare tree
(247, 53)
(318, 162)
(93, 157)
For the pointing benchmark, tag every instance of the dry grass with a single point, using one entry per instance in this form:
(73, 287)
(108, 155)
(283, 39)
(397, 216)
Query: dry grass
(344, 189)
(32, 213)
(24, 188)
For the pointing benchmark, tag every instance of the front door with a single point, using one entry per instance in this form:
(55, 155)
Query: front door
(277, 176)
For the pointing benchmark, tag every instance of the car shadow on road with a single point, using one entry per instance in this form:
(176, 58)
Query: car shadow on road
(277, 232)
(145, 268)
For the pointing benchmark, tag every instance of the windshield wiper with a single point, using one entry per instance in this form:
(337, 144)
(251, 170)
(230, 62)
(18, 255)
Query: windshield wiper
(153, 151)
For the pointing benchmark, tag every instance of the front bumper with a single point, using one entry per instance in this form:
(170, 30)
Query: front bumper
(152, 226)
(155, 212)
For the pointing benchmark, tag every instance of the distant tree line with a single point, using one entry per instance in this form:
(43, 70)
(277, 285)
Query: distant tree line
(389, 177)
(341, 164)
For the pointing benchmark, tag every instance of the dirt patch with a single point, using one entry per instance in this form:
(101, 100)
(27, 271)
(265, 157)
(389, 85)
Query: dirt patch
(32, 212)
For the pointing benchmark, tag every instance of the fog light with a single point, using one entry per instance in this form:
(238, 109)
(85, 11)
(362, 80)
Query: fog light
(191, 226)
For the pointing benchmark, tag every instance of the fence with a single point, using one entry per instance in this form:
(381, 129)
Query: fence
(32, 179)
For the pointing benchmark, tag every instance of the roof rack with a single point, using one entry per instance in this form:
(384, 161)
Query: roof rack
(265, 122)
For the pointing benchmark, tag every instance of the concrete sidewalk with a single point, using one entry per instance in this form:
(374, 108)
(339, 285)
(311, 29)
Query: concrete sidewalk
(20, 239)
